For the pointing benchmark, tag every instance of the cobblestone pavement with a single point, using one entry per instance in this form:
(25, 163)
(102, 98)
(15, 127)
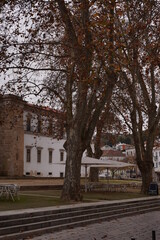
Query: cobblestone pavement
(139, 227)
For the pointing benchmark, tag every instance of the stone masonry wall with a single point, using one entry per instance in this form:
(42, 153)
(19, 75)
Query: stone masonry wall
(11, 136)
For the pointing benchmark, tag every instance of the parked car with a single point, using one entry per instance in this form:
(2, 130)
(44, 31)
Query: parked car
(104, 175)
(133, 175)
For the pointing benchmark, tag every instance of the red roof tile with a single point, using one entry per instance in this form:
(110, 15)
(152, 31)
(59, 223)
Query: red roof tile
(112, 153)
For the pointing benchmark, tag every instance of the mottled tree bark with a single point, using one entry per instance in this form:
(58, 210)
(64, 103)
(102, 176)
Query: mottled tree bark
(144, 149)
(71, 187)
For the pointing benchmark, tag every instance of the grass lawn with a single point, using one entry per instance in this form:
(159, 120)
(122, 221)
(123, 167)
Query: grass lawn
(29, 201)
(47, 198)
(111, 195)
(120, 181)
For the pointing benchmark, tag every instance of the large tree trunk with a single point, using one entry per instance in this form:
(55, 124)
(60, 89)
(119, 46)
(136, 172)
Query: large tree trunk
(145, 164)
(85, 98)
(71, 188)
(146, 178)
(93, 175)
(94, 172)
(144, 148)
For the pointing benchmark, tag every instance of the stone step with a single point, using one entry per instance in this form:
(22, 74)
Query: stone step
(39, 213)
(75, 212)
(71, 218)
(81, 215)
(83, 222)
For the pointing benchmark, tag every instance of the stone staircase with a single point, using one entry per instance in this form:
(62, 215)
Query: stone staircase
(28, 224)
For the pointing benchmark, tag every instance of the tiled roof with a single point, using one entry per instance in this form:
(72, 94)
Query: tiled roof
(112, 153)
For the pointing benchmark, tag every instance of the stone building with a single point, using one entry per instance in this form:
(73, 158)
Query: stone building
(28, 134)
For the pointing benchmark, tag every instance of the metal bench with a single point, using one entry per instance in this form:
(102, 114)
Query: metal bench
(9, 191)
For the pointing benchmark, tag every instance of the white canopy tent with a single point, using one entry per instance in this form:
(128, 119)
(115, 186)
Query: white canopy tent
(97, 163)
(94, 162)
(104, 164)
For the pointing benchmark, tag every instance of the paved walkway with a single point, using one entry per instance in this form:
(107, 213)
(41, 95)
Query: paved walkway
(140, 227)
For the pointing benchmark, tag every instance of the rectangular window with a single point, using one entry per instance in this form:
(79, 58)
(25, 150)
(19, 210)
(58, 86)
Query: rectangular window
(50, 173)
(38, 155)
(28, 157)
(50, 128)
(61, 156)
(38, 173)
(28, 124)
(27, 173)
(61, 174)
(50, 156)
(39, 126)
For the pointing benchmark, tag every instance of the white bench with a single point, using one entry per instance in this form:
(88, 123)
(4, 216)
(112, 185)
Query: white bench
(9, 191)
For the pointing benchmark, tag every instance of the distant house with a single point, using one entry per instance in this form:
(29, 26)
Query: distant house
(112, 154)
(123, 146)
(130, 152)
(131, 155)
